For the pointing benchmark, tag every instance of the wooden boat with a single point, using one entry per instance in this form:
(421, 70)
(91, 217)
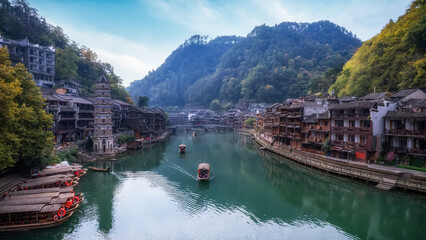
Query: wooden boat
(35, 216)
(182, 148)
(41, 190)
(101, 169)
(48, 183)
(203, 172)
(68, 200)
(76, 170)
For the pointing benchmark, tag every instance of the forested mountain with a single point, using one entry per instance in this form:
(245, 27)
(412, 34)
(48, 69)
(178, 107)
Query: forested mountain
(73, 62)
(268, 65)
(392, 60)
(194, 59)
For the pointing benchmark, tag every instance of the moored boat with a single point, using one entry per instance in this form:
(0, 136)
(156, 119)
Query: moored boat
(109, 169)
(48, 183)
(26, 217)
(194, 134)
(38, 191)
(182, 148)
(76, 170)
(203, 172)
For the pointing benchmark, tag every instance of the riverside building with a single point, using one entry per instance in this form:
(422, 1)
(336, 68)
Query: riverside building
(39, 60)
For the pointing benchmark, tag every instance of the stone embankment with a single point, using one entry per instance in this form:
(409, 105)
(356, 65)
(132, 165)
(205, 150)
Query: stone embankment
(386, 177)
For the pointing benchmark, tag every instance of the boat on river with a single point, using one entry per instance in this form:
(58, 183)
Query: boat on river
(77, 170)
(203, 172)
(182, 148)
(34, 216)
(68, 200)
(50, 182)
(109, 169)
(194, 134)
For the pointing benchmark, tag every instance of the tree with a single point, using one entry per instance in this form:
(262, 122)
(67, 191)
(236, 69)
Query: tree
(23, 119)
(215, 105)
(249, 122)
(143, 101)
(65, 64)
(326, 146)
(392, 60)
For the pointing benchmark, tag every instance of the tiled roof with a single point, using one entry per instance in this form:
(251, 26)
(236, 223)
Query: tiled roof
(402, 115)
(354, 105)
(76, 99)
(416, 103)
(404, 93)
(310, 119)
(375, 96)
(324, 115)
(120, 102)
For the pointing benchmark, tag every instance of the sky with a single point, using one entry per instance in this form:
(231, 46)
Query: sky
(136, 36)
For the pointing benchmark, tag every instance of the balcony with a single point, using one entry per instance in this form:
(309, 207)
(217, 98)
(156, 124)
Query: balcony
(354, 130)
(86, 110)
(351, 116)
(294, 116)
(67, 109)
(351, 145)
(405, 132)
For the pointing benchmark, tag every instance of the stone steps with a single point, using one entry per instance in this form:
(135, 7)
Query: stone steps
(385, 186)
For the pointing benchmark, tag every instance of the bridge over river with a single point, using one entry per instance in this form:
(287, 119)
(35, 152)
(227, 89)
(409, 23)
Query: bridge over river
(207, 128)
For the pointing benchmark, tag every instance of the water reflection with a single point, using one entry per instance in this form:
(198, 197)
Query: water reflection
(354, 206)
(154, 194)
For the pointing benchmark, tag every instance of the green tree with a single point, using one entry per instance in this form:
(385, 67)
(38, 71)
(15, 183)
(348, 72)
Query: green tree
(249, 122)
(390, 61)
(326, 146)
(215, 105)
(23, 118)
(143, 101)
(65, 64)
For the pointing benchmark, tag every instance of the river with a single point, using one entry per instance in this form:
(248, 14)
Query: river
(154, 194)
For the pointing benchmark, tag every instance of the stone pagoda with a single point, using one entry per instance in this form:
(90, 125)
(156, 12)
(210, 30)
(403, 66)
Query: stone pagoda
(102, 134)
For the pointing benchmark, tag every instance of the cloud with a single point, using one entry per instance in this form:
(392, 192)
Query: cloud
(131, 59)
(203, 17)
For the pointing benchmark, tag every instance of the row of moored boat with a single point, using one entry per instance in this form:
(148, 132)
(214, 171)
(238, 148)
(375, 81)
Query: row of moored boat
(46, 200)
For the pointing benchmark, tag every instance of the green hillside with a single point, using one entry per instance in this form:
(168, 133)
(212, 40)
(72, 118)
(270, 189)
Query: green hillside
(268, 65)
(390, 61)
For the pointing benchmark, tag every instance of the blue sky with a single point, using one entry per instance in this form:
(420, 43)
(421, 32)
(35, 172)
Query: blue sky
(136, 36)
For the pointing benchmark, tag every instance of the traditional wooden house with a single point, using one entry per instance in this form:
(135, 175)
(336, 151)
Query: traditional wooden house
(405, 128)
(294, 123)
(315, 131)
(146, 123)
(351, 130)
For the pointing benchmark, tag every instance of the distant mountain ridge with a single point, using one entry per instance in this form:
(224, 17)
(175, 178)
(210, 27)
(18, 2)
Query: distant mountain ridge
(270, 64)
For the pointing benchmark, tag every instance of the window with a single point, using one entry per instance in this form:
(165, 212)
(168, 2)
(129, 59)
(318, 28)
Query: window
(365, 124)
(339, 137)
(351, 123)
(351, 138)
(363, 139)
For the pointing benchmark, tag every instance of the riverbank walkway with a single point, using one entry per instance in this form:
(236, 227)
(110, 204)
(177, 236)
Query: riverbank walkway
(390, 176)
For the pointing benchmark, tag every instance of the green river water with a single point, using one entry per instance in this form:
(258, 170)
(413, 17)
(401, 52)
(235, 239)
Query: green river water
(154, 194)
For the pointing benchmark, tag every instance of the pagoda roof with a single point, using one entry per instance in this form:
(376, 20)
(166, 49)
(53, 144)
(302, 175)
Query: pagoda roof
(103, 79)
